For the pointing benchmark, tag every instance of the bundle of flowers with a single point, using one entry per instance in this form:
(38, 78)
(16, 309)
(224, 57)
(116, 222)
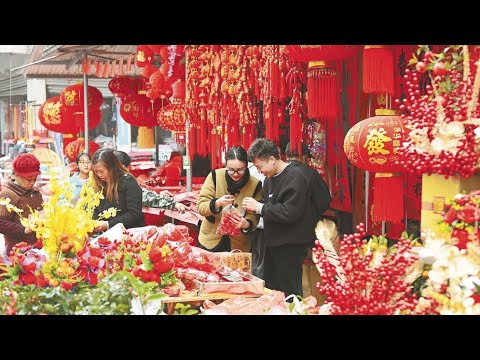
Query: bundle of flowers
(453, 284)
(365, 282)
(444, 118)
(460, 218)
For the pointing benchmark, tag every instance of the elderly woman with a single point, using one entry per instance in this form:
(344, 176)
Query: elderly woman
(25, 196)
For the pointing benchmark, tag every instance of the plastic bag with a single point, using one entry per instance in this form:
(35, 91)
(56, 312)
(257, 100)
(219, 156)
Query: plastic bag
(226, 225)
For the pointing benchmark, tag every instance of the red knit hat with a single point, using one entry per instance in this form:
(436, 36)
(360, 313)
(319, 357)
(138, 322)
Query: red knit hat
(26, 165)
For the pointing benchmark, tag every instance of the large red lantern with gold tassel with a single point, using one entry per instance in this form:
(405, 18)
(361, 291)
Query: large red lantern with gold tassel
(377, 69)
(374, 145)
(76, 147)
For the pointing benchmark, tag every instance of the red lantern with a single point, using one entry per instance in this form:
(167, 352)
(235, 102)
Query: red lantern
(123, 86)
(178, 88)
(148, 70)
(72, 97)
(377, 69)
(374, 145)
(54, 117)
(172, 117)
(94, 118)
(76, 147)
(157, 80)
(137, 111)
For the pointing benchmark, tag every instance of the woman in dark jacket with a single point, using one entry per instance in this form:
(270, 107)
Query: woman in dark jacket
(120, 190)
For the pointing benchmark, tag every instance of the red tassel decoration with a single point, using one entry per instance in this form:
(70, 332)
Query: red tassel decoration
(322, 91)
(377, 70)
(388, 204)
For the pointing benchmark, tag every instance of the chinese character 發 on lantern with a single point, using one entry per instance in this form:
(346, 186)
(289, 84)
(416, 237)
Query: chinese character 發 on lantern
(374, 145)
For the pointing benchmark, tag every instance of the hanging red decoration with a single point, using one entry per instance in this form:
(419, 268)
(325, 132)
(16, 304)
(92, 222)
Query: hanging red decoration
(148, 70)
(374, 145)
(306, 53)
(377, 69)
(76, 147)
(156, 48)
(143, 57)
(322, 99)
(94, 118)
(72, 97)
(52, 115)
(137, 111)
(157, 80)
(178, 88)
(123, 86)
(172, 117)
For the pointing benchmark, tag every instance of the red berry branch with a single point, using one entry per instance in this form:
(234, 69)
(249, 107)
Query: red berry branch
(371, 283)
(443, 116)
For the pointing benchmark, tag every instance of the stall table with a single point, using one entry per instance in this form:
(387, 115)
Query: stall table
(198, 300)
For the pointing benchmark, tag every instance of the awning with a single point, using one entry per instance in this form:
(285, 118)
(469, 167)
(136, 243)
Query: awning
(50, 61)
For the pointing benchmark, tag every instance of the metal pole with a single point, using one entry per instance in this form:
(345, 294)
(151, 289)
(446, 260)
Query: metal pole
(85, 106)
(189, 168)
(157, 153)
(187, 128)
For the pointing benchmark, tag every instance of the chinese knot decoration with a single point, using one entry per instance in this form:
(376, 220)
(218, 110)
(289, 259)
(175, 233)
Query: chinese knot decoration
(443, 118)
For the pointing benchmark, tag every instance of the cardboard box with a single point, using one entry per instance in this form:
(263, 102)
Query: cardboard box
(436, 191)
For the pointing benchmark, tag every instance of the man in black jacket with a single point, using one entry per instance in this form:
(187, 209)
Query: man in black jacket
(287, 214)
(319, 192)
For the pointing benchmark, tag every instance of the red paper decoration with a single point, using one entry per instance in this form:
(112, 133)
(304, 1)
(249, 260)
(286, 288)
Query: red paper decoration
(143, 57)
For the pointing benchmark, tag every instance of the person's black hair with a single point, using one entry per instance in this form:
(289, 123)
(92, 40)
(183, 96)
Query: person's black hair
(237, 153)
(263, 148)
(77, 160)
(123, 157)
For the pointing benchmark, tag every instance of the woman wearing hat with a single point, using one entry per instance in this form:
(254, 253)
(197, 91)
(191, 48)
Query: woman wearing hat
(24, 195)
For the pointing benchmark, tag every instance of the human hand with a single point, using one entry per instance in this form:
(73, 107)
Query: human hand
(239, 221)
(166, 193)
(250, 204)
(224, 201)
(101, 227)
(180, 207)
(28, 230)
